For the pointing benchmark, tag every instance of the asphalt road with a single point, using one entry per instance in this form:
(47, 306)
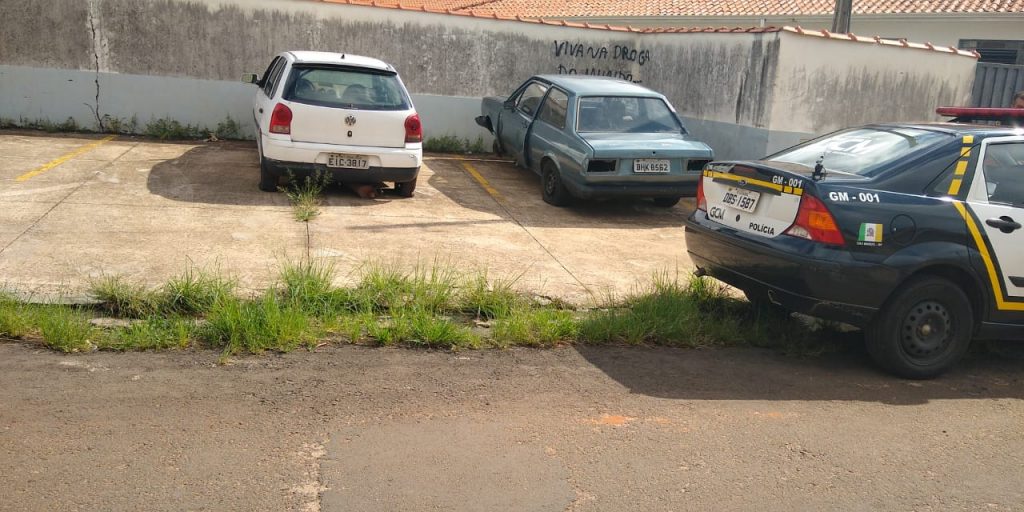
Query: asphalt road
(581, 429)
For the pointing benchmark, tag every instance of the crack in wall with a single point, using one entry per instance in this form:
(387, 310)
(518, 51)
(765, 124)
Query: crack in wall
(96, 44)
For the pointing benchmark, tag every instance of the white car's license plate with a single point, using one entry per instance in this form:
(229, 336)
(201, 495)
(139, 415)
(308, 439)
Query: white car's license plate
(741, 199)
(348, 161)
(650, 166)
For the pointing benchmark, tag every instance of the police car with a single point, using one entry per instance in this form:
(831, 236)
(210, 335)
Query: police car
(911, 232)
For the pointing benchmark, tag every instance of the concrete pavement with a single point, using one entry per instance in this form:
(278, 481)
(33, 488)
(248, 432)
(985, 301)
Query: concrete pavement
(147, 209)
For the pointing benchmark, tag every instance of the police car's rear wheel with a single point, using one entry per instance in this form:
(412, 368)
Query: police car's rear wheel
(922, 330)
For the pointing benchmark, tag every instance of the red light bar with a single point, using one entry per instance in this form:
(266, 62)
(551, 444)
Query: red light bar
(980, 113)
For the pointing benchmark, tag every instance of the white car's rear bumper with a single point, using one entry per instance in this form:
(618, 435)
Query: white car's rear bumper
(286, 151)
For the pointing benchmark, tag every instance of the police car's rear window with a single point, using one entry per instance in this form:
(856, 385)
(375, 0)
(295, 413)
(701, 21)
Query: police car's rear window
(861, 150)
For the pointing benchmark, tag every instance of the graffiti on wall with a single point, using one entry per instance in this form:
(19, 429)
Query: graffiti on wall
(604, 60)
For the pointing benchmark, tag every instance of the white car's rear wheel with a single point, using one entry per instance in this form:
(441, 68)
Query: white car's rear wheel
(407, 188)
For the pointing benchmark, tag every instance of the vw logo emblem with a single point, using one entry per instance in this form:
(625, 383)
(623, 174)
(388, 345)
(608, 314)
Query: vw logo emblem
(350, 120)
(743, 182)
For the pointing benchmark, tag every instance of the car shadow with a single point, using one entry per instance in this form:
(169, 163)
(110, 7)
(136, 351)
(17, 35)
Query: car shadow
(227, 172)
(516, 192)
(764, 374)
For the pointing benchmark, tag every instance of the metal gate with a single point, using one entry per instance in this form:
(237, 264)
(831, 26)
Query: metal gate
(995, 84)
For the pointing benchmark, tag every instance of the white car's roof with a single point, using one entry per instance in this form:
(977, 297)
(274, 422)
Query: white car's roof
(308, 57)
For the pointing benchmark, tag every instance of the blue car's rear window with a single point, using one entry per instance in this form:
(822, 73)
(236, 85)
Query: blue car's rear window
(618, 114)
(861, 151)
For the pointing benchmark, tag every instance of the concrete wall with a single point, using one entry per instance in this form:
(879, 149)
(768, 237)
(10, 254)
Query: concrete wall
(826, 84)
(180, 59)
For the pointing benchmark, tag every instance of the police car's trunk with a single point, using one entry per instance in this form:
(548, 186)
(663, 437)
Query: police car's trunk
(754, 198)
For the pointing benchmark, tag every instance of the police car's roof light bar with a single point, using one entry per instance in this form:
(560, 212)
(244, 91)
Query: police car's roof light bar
(1006, 116)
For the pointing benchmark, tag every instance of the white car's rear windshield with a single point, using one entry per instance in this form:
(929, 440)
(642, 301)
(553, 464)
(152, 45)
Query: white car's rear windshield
(861, 150)
(618, 114)
(343, 87)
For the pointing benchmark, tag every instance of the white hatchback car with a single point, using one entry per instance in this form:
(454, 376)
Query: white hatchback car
(344, 114)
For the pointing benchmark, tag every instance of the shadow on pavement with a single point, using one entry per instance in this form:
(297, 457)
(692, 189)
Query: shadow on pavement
(762, 374)
(519, 192)
(227, 173)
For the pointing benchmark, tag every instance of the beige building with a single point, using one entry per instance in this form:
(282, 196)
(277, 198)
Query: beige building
(993, 27)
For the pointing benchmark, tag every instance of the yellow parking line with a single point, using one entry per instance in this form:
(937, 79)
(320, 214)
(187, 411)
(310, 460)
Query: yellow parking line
(482, 181)
(54, 163)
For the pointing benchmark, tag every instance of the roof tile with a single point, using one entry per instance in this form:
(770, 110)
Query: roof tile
(701, 8)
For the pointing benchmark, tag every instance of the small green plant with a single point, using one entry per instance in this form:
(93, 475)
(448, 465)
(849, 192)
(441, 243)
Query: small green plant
(443, 144)
(65, 328)
(120, 126)
(122, 298)
(304, 194)
(167, 128)
(453, 144)
(228, 129)
(477, 146)
(154, 333)
(195, 291)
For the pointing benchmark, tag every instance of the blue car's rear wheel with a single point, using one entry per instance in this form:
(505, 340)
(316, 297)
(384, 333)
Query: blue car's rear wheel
(554, 191)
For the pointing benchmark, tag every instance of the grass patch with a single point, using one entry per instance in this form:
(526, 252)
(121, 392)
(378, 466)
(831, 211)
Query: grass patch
(65, 328)
(167, 128)
(304, 194)
(15, 318)
(453, 144)
(697, 312)
(490, 298)
(119, 297)
(420, 327)
(120, 126)
(195, 291)
(154, 333)
(536, 327)
(255, 326)
(430, 305)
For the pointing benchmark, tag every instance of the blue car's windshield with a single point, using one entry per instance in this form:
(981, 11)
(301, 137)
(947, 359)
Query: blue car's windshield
(618, 114)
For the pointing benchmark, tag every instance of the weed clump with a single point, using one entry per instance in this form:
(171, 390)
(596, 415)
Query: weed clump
(65, 328)
(304, 194)
(119, 297)
(266, 323)
(15, 320)
(195, 291)
(154, 333)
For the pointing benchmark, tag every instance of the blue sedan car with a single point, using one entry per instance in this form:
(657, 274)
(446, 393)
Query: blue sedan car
(593, 137)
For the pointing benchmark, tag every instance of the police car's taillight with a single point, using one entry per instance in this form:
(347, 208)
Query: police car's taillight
(702, 203)
(815, 222)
